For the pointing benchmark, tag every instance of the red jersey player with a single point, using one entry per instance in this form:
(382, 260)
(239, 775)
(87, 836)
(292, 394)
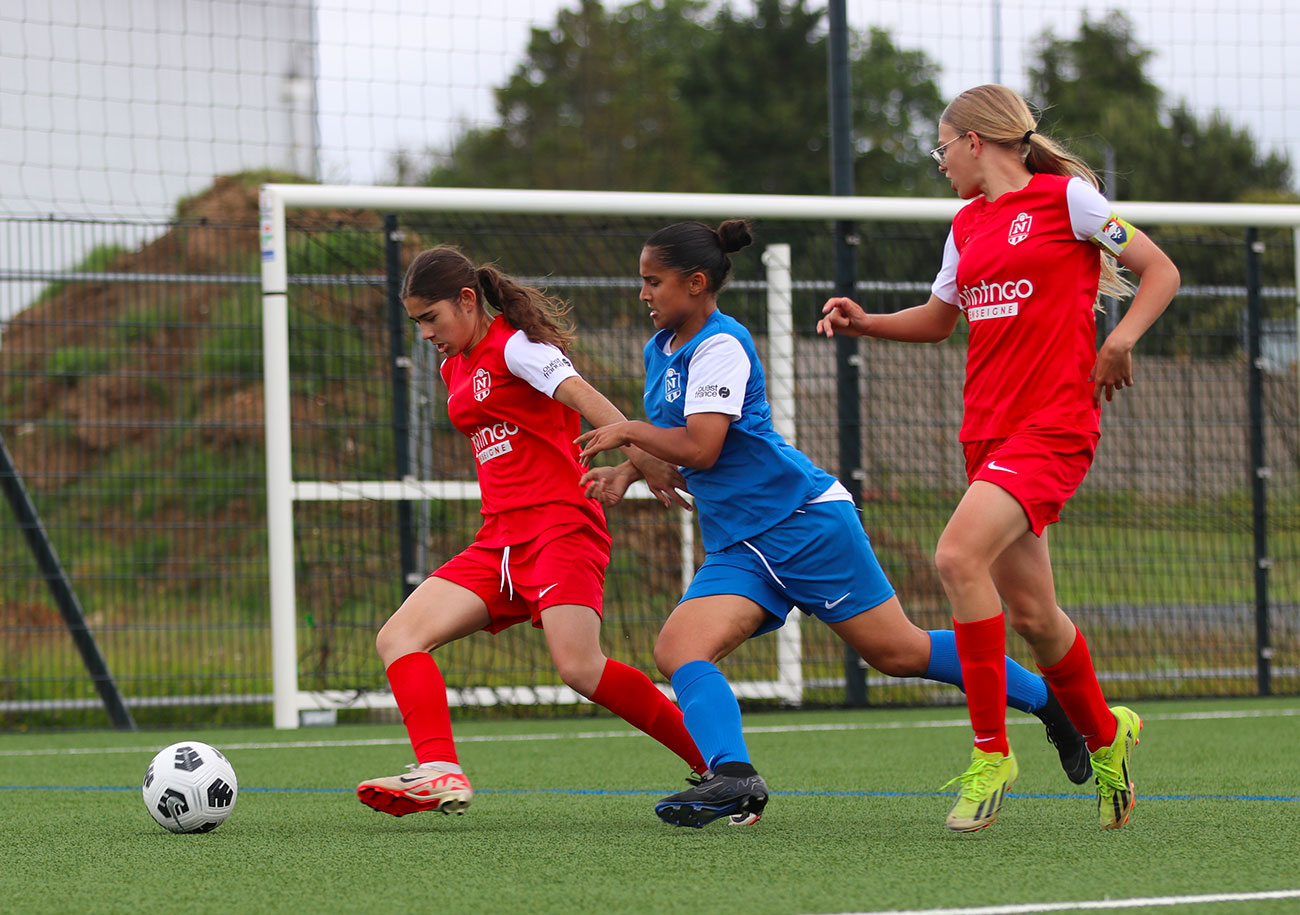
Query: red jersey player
(1024, 263)
(543, 548)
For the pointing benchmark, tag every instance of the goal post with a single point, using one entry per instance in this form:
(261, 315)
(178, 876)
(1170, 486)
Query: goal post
(284, 491)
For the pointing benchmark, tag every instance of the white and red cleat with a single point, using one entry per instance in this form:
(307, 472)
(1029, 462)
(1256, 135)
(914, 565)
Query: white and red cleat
(423, 788)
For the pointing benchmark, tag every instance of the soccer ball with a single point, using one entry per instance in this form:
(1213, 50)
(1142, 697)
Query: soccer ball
(190, 787)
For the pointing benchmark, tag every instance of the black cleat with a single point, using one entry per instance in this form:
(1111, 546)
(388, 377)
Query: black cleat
(1076, 760)
(713, 797)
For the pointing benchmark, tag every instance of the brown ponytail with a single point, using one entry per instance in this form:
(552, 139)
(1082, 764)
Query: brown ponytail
(442, 272)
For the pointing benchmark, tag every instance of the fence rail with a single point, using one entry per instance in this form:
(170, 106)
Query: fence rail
(131, 397)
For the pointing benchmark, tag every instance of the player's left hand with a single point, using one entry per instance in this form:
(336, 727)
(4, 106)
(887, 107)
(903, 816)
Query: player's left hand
(1112, 371)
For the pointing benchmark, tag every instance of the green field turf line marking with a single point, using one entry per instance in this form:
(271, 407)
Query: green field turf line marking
(592, 735)
(1143, 902)
(644, 791)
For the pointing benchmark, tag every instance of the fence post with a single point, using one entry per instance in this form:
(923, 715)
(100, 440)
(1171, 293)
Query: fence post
(401, 378)
(847, 359)
(1258, 467)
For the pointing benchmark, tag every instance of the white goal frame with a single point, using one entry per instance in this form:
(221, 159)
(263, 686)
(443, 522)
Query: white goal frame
(283, 491)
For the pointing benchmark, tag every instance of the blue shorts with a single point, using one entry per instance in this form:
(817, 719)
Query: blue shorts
(818, 560)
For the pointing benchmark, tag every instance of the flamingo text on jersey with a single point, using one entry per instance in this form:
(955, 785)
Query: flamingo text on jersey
(995, 300)
(493, 441)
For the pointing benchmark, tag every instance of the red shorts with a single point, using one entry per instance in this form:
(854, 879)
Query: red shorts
(1041, 468)
(563, 566)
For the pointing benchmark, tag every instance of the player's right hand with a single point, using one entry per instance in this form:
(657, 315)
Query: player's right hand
(844, 316)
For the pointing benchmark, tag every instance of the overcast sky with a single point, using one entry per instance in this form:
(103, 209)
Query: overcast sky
(410, 72)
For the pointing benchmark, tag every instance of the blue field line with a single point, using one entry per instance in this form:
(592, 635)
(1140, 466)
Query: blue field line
(1282, 798)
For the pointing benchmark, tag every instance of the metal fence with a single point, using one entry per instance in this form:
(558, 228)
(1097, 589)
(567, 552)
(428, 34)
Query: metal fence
(131, 408)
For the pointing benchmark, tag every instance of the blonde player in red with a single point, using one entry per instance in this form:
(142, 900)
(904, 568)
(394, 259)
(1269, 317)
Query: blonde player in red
(1024, 263)
(541, 554)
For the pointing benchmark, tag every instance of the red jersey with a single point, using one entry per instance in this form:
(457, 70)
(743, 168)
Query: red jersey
(500, 396)
(1024, 269)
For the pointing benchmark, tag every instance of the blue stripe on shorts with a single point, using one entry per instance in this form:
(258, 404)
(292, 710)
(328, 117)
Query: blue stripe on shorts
(819, 559)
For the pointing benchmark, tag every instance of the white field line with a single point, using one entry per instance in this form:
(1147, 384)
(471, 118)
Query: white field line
(1090, 905)
(590, 735)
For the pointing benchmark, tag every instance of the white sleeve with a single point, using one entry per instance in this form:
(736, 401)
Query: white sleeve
(717, 377)
(540, 364)
(1089, 210)
(945, 284)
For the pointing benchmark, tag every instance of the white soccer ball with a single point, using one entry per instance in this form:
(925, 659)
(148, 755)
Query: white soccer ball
(190, 787)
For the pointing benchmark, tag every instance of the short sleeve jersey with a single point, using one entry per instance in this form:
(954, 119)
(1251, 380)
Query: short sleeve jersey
(758, 480)
(1024, 269)
(500, 395)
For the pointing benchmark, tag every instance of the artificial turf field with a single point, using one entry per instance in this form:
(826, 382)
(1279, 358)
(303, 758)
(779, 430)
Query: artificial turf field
(562, 822)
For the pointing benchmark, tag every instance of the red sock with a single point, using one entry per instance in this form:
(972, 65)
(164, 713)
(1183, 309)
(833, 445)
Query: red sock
(421, 696)
(982, 648)
(630, 695)
(1074, 681)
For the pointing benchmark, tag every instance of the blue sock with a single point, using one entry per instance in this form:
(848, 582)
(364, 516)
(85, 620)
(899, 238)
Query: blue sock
(711, 712)
(1025, 691)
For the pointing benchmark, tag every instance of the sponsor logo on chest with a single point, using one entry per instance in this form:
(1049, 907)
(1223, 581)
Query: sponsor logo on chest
(995, 300)
(1019, 229)
(493, 441)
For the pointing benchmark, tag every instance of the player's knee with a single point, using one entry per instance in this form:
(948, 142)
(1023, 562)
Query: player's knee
(899, 661)
(953, 563)
(948, 562)
(580, 674)
(668, 656)
(394, 640)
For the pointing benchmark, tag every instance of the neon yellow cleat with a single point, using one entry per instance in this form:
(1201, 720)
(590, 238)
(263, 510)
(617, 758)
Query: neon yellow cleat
(1110, 766)
(983, 788)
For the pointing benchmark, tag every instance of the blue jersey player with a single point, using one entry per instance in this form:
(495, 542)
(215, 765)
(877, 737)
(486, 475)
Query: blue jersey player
(779, 531)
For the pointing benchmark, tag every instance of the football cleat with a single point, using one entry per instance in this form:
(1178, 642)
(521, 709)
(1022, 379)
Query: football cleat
(422, 788)
(983, 789)
(740, 798)
(1069, 743)
(1115, 794)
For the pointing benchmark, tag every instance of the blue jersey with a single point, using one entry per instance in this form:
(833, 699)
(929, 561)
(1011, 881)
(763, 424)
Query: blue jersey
(758, 480)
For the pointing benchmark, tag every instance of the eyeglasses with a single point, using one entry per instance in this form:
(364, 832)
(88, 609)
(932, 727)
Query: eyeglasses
(940, 153)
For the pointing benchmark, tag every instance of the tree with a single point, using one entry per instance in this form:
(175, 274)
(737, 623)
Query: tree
(1098, 100)
(657, 96)
(896, 109)
(594, 105)
(756, 92)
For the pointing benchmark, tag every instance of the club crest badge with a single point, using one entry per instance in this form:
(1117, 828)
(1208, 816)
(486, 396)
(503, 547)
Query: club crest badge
(1019, 229)
(672, 385)
(482, 384)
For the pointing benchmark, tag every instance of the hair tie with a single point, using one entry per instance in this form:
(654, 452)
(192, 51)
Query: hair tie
(1028, 133)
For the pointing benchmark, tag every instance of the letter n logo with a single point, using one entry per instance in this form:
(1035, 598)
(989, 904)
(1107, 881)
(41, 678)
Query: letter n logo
(482, 384)
(672, 385)
(1019, 229)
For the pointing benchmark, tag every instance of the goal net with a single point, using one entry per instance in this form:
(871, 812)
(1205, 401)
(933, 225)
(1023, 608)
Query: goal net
(369, 488)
